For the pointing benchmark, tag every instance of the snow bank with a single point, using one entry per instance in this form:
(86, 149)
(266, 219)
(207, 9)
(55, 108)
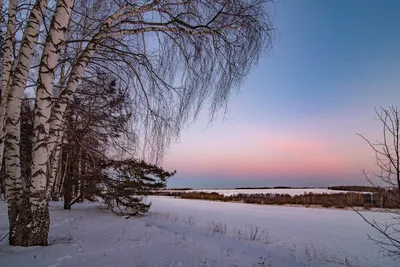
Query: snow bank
(199, 233)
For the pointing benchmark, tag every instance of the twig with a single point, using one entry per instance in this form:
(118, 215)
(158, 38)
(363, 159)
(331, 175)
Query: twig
(2, 238)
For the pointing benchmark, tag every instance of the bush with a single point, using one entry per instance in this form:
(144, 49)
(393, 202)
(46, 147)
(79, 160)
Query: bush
(216, 227)
(254, 233)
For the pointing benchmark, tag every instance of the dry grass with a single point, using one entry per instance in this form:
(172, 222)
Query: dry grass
(216, 227)
(254, 233)
(336, 200)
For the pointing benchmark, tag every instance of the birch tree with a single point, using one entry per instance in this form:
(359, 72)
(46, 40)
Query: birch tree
(7, 49)
(208, 45)
(173, 56)
(38, 201)
(17, 81)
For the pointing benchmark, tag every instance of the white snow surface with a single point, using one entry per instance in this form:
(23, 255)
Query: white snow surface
(292, 191)
(181, 232)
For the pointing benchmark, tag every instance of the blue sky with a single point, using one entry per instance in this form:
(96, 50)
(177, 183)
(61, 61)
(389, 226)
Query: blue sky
(295, 119)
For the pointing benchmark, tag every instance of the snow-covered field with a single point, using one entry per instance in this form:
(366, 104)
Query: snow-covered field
(182, 232)
(292, 192)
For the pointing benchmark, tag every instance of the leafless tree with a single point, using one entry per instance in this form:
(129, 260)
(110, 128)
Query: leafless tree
(387, 180)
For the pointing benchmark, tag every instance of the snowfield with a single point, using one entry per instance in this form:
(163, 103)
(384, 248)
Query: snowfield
(181, 232)
(292, 192)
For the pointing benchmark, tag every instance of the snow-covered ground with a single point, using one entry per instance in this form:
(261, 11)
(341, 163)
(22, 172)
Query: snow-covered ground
(292, 192)
(182, 232)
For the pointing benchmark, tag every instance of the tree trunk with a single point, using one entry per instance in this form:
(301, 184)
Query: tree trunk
(79, 176)
(32, 222)
(51, 53)
(6, 69)
(63, 175)
(23, 231)
(68, 188)
(85, 171)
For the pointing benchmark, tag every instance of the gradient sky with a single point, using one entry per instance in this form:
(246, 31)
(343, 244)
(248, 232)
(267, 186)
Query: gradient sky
(295, 119)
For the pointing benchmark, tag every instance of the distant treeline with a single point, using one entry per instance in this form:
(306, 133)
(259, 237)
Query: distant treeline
(356, 188)
(276, 187)
(178, 189)
(338, 200)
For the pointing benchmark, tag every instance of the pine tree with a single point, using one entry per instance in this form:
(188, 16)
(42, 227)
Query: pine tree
(123, 184)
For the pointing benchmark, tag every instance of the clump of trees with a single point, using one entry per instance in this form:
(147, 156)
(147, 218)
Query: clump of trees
(87, 85)
(354, 188)
(97, 115)
(96, 120)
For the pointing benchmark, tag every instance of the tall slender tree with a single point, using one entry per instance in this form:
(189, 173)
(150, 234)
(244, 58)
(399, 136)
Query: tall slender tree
(38, 198)
(7, 62)
(19, 232)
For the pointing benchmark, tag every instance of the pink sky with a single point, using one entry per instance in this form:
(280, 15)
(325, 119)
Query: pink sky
(242, 151)
(298, 112)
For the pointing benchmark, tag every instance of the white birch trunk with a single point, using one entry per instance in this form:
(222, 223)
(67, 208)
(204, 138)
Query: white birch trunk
(17, 219)
(51, 53)
(6, 68)
(16, 89)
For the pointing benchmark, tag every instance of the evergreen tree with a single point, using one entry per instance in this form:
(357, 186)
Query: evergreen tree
(122, 185)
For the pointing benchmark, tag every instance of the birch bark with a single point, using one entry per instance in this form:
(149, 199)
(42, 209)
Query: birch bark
(6, 68)
(18, 217)
(51, 53)
(39, 224)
